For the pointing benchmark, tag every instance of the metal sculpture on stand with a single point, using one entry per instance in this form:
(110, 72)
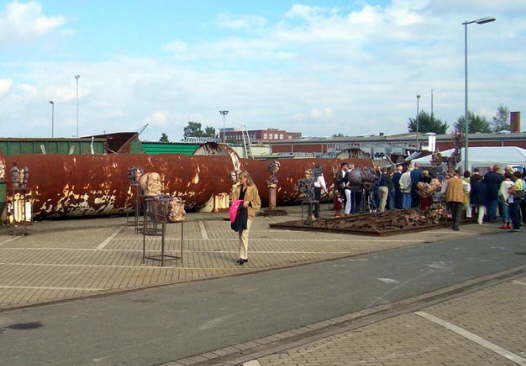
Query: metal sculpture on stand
(159, 212)
(272, 185)
(151, 184)
(3, 191)
(19, 205)
(134, 174)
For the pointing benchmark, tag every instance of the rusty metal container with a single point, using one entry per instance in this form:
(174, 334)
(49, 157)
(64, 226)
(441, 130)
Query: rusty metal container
(88, 185)
(291, 170)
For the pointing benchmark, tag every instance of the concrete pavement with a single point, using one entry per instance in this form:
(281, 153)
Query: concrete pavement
(77, 258)
(160, 325)
(484, 328)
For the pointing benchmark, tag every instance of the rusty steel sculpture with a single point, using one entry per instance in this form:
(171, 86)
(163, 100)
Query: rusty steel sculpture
(378, 224)
(272, 186)
(272, 183)
(90, 185)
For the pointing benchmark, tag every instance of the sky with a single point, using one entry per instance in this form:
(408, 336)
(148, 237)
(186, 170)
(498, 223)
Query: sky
(317, 67)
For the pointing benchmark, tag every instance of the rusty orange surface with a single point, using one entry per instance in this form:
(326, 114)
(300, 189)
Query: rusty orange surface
(87, 185)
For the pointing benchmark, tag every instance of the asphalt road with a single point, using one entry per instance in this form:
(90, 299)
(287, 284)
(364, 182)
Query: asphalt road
(160, 325)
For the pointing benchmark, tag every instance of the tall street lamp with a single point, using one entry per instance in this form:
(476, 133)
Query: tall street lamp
(224, 114)
(466, 120)
(417, 121)
(52, 118)
(77, 82)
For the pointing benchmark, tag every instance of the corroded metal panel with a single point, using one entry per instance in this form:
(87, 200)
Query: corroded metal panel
(291, 170)
(79, 185)
(87, 185)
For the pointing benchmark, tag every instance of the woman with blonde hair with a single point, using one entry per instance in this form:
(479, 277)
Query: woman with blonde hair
(247, 192)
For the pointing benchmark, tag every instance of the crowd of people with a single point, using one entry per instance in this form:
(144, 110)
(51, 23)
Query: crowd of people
(480, 197)
(475, 196)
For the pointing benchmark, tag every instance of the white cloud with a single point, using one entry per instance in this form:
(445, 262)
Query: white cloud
(23, 22)
(316, 114)
(176, 46)
(238, 22)
(27, 89)
(318, 70)
(5, 86)
(158, 119)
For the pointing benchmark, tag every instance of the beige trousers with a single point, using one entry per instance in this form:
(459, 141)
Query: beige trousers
(243, 241)
(383, 192)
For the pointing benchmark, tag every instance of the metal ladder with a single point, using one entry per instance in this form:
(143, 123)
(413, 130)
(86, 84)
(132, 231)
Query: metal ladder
(247, 145)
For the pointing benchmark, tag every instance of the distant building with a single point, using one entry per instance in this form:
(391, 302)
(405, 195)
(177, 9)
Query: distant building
(259, 136)
(380, 145)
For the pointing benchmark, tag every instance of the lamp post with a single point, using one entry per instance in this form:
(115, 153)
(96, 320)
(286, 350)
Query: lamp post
(224, 114)
(52, 118)
(77, 82)
(417, 121)
(466, 120)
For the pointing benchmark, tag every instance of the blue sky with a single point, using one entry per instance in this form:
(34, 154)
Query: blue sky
(319, 67)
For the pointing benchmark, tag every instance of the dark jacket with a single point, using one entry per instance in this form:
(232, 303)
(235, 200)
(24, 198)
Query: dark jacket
(390, 184)
(240, 224)
(416, 174)
(425, 179)
(341, 179)
(396, 181)
(478, 194)
(493, 181)
(383, 181)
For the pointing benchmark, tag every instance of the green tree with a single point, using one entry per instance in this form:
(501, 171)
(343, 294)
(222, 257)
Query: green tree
(339, 134)
(501, 119)
(476, 124)
(164, 138)
(426, 123)
(193, 129)
(209, 132)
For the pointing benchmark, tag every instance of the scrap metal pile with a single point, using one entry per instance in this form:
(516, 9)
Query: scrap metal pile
(385, 223)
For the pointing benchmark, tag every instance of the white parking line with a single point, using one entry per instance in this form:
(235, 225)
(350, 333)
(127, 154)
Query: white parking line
(474, 338)
(186, 251)
(52, 288)
(202, 227)
(10, 240)
(252, 363)
(234, 267)
(109, 238)
(519, 283)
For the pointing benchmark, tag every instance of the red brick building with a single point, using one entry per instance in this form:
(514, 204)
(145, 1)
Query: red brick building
(260, 136)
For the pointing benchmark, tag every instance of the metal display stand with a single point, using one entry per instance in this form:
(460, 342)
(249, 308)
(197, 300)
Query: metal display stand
(19, 210)
(157, 210)
(137, 219)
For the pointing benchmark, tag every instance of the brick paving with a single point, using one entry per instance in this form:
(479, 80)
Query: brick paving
(74, 258)
(497, 314)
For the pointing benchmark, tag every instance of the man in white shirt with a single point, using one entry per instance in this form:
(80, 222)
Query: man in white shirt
(341, 183)
(348, 192)
(405, 187)
(319, 185)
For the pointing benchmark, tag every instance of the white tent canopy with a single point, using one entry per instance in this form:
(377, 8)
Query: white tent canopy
(484, 157)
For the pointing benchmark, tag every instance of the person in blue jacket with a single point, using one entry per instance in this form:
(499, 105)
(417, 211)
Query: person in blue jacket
(493, 179)
(477, 196)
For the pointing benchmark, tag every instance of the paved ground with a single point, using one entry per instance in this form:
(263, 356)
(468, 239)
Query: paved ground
(484, 328)
(164, 324)
(75, 258)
